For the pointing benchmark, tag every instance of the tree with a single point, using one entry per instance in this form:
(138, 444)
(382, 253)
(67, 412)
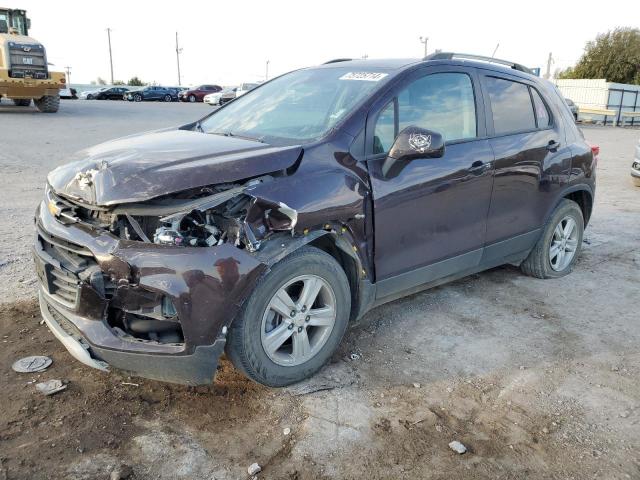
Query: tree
(614, 56)
(101, 81)
(118, 82)
(135, 82)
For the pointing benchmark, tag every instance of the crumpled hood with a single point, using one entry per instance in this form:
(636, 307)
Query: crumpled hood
(142, 167)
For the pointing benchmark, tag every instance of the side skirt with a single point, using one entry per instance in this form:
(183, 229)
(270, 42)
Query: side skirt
(512, 251)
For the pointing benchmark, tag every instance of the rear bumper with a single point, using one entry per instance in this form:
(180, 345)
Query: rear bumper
(197, 368)
(30, 88)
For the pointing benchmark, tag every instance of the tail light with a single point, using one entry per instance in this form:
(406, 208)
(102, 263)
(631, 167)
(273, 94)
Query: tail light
(595, 150)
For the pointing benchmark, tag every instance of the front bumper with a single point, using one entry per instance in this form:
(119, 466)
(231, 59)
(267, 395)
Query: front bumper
(207, 286)
(197, 368)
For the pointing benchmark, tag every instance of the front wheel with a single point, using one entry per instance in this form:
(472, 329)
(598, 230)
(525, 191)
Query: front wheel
(48, 103)
(557, 249)
(192, 98)
(137, 98)
(167, 98)
(293, 321)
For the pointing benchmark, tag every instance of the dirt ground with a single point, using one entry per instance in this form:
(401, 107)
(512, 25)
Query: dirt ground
(538, 378)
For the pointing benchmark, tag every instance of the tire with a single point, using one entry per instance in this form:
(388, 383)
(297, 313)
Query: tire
(167, 98)
(245, 346)
(192, 99)
(48, 103)
(137, 97)
(540, 262)
(89, 97)
(22, 102)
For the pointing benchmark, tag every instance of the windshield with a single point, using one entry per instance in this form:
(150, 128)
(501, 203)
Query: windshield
(301, 106)
(13, 18)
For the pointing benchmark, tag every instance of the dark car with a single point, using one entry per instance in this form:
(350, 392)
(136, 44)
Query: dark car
(266, 227)
(573, 107)
(163, 94)
(113, 93)
(197, 94)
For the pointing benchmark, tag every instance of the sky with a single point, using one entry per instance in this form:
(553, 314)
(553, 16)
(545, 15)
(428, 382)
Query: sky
(230, 42)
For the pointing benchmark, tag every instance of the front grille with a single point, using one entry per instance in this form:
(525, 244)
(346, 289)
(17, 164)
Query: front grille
(65, 288)
(27, 61)
(59, 267)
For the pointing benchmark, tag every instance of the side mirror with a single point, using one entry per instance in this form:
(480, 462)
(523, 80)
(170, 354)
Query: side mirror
(412, 143)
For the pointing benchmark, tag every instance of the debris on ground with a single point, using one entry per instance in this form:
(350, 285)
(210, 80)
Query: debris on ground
(50, 387)
(458, 447)
(254, 469)
(416, 385)
(32, 364)
(121, 473)
(354, 356)
(286, 431)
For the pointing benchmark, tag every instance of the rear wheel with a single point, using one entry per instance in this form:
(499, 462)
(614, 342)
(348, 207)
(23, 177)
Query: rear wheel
(293, 321)
(192, 98)
(48, 103)
(557, 249)
(22, 102)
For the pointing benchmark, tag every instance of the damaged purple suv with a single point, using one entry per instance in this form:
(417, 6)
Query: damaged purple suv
(263, 229)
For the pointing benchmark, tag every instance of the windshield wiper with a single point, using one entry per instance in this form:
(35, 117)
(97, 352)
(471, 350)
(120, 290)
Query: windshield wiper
(198, 127)
(244, 137)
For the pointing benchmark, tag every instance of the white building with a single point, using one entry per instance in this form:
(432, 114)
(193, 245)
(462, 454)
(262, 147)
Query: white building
(598, 94)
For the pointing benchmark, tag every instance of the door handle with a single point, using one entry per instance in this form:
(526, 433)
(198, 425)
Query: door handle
(553, 146)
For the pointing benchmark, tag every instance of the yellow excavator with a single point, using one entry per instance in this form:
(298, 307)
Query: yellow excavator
(24, 71)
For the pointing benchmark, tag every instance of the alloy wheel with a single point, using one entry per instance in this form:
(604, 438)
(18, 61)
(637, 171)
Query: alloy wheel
(298, 320)
(564, 244)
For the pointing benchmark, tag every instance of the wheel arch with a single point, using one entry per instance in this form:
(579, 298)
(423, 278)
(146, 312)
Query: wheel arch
(338, 246)
(581, 194)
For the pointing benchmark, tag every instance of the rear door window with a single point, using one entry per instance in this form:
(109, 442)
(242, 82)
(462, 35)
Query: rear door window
(511, 106)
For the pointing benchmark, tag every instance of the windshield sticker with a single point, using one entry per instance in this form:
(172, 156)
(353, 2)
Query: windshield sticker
(364, 76)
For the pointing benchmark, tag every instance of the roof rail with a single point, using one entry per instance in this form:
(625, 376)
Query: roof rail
(468, 56)
(336, 60)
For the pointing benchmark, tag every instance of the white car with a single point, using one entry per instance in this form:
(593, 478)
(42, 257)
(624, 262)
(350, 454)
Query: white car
(635, 167)
(222, 97)
(245, 87)
(89, 94)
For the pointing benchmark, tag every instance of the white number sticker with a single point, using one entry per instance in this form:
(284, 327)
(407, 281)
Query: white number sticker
(364, 76)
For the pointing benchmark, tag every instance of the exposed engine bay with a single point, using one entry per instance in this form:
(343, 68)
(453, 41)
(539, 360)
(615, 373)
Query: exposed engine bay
(202, 217)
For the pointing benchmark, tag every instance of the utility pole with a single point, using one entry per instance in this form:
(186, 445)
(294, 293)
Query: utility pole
(547, 75)
(110, 54)
(266, 73)
(365, 56)
(424, 40)
(493, 55)
(178, 52)
(68, 70)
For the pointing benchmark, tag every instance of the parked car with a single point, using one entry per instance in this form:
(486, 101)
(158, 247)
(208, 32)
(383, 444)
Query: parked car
(152, 92)
(90, 94)
(244, 88)
(69, 93)
(573, 107)
(197, 94)
(222, 97)
(635, 167)
(113, 93)
(252, 230)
